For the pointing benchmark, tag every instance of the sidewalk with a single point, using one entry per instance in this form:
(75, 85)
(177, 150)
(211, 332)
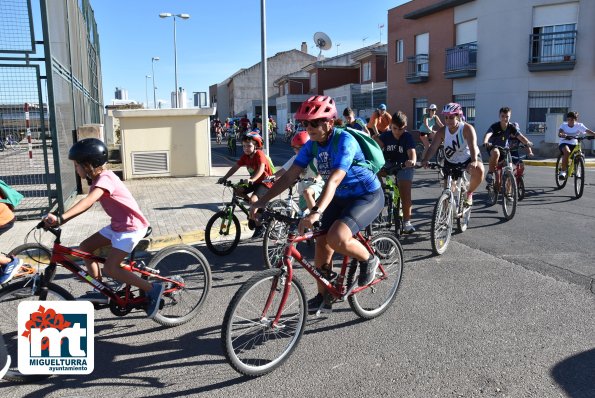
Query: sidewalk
(177, 208)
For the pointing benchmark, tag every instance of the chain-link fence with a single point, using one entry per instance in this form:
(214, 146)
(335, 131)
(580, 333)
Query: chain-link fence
(49, 86)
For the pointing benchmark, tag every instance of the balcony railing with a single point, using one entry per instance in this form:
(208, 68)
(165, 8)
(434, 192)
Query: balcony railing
(552, 51)
(461, 61)
(418, 68)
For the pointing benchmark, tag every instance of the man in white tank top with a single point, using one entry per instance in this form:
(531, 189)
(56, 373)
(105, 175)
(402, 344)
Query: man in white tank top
(460, 147)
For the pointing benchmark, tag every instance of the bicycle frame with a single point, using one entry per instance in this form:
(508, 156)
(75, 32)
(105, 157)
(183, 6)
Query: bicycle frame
(503, 166)
(338, 289)
(453, 188)
(59, 258)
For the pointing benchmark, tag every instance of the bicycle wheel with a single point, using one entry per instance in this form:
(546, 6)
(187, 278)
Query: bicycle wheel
(273, 243)
(509, 195)
(441, 231)
(560, 183)
(419, 150)
(190, 276)
(579, 176)
(374, 300)
(222, 235)
(440, 157)
(10, 298)
(465, 213)
(35, 257)
(398, 217)
(520, 185)
(251, 343)
(492, 194)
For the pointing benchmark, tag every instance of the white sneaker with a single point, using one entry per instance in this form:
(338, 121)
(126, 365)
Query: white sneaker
(408, 228)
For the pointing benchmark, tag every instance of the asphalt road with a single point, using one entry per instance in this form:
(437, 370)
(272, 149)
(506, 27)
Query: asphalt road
(500, 314)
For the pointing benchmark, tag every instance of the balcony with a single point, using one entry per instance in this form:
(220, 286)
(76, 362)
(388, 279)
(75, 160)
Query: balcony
(461, 61)
(552, 51)
(418, 68)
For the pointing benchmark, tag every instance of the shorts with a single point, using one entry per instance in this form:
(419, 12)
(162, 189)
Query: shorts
(316, 187)
(455, 169)
(125, 241)
(570, 147)
(7, 226)
(406, 174)
(356, 213)
(259, 189)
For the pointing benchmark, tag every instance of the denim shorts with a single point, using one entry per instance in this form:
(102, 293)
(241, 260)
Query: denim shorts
(406, 174)
(356, 213)
(124, 241)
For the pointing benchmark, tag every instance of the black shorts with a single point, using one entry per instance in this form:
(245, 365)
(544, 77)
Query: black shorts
(356, 213)
(570, 147)
(7, 226)
(259, 189)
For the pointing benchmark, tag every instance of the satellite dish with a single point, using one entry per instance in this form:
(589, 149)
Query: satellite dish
(323, 42)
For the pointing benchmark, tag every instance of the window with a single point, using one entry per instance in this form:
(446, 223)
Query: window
(555, 43)
(286, 88)
(399, 51)
(467, 102)
(313, 80)
(422, 49)
(543, 102)
(367, 72)
(420, 105)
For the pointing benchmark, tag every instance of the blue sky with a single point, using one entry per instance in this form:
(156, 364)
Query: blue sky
(219, 38)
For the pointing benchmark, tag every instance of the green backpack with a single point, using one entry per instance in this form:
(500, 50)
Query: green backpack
(13, 197)
(370, 148)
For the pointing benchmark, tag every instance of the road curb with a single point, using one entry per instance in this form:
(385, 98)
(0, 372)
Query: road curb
(187, 238)
(551, 163)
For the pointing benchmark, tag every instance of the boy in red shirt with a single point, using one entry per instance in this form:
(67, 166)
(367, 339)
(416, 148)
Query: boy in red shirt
(258, 167)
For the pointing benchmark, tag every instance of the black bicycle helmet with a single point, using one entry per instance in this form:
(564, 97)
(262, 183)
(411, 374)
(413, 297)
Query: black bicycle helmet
(89, 150)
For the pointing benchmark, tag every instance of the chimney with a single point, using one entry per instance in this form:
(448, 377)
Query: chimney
(304, 48)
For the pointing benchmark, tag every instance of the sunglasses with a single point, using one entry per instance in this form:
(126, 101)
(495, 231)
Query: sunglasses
(313, 123)
(451, 117)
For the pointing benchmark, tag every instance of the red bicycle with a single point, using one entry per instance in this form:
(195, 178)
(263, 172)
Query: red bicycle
(265, 320)
(183, 269)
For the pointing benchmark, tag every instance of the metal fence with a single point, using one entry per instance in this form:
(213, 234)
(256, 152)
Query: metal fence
(49, 85)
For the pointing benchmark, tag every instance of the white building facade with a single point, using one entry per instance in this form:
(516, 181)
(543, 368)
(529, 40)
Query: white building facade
(536, 57)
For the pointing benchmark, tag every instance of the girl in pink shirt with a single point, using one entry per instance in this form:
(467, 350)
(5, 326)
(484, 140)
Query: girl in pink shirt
(128, 224)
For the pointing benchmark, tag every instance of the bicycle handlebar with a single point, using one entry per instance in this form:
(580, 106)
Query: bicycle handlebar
(579, 138)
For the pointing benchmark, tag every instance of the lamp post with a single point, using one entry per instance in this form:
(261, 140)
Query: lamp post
(174, 16)
(147, 77)
(154, 88)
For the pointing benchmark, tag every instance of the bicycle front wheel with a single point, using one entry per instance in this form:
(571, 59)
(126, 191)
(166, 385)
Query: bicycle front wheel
(35, 258)
(252, 344)
(187, 284)
(579, 176)
(374, 300)
(10, 298)
(560, 183)
(273, 243)
(222, 233)
(441, 231)
(509, 195)
(520, 185)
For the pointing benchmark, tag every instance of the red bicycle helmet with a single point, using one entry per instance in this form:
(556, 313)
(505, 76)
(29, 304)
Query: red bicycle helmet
(300, 139)
(317, 107)
(452, 108)
(254, 137)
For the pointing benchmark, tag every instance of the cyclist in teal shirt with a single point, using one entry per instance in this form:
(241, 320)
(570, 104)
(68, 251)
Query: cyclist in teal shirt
(351, 200)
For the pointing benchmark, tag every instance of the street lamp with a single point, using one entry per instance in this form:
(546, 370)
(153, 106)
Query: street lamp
(147, 77)
(174, 16)
(154, 88)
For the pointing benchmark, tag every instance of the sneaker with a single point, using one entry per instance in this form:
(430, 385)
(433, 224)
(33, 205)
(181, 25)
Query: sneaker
(468, 202)
(562, 176)
(367, 271)
(258, 232)
(408, 228)
(490, 178)
(251, 224)
(318, 305)
(94, 297)
(10, 270)
(154, 297)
